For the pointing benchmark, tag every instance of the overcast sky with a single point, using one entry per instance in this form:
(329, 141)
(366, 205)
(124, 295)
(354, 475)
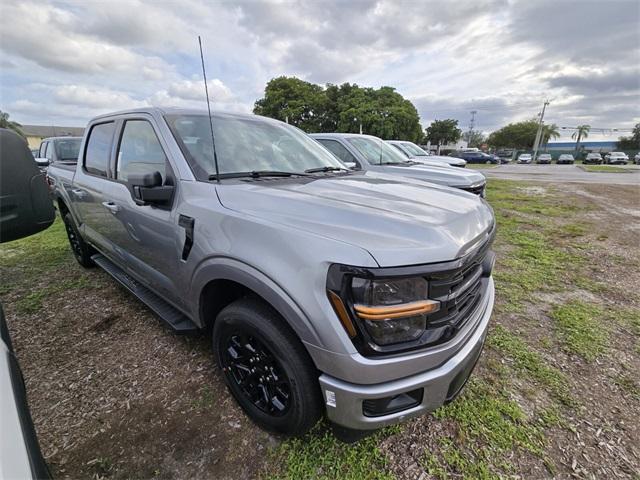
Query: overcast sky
(64, 62)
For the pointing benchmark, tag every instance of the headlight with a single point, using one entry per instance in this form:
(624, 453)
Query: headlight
(393, 310)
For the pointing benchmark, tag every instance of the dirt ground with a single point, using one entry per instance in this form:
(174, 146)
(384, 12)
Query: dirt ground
(114, 394)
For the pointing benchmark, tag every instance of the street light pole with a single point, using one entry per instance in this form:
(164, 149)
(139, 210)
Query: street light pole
(536, 144)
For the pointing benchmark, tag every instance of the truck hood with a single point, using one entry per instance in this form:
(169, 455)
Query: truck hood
(398, 221)
(451, 177)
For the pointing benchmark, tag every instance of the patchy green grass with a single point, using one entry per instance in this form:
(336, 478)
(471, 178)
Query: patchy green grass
(491, 428)
(528, 361)
(44, 250)
(581, 328)
(320, 455)
(605, 168)
(481, 166)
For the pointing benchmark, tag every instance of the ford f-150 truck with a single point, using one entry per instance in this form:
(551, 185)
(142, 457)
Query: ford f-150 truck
(357, 293)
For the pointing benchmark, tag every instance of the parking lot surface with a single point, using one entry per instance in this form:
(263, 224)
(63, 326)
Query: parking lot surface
(563, 173)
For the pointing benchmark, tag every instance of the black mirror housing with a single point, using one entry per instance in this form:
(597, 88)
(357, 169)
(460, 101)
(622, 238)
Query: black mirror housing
(148, 180)
(147, 189)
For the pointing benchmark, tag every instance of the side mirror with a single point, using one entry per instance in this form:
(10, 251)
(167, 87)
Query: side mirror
(147, 189)
(25, 206)
(350, 165)
(42, 162)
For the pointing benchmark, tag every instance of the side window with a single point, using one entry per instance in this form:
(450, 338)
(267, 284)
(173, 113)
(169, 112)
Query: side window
(98, 151)
(339, 151)
(49, 151)
(140, 151)
(43, 149)
(400, 149)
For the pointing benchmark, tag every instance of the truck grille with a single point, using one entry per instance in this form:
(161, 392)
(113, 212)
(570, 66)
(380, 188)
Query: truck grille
(459, 292)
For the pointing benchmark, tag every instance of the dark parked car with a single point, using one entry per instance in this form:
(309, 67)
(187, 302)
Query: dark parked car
(476, 157)
(565, 158)
(593, 158)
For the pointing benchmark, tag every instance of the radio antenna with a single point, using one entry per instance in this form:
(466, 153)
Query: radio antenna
(206, 91)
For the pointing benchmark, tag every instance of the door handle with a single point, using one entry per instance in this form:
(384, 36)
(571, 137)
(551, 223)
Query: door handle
(112, 207)
(79, 193)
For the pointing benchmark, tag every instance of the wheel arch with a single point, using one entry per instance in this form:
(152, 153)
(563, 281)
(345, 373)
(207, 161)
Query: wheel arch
(217, 282)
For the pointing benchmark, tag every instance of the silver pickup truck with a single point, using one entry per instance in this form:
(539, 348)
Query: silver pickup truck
(357, 293)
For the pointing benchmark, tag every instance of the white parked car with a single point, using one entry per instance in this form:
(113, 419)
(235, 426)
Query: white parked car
(617, 158)
(637, 158)
(565, 158)
(524, 158)
(417, 154)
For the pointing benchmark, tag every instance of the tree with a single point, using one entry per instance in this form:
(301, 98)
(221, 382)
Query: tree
(382, 112)
(441, 132)
(582, 131)
(519, 135)
(11, 125)
(549, 132)
(632, 142)
(474, 138)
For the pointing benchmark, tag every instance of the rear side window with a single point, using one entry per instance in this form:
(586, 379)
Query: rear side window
(43, 149)
(339, 150)
(96, 159)
(140, 151)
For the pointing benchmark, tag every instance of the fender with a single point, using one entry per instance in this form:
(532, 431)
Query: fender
(224, 268)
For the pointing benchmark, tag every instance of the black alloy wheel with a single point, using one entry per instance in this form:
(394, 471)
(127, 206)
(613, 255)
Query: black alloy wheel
(257, 373)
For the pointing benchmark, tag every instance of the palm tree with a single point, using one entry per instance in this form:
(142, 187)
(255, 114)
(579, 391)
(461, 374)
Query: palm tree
(582, 131)
(11, 125)
(549, 132)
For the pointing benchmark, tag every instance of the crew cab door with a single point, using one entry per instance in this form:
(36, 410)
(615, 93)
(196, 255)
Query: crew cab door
(87, 191)
(146, 239)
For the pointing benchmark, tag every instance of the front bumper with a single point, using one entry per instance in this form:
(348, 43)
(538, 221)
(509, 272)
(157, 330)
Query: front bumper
(344, 400)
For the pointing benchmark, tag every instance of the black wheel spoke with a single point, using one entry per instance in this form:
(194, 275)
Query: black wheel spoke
(257, 373)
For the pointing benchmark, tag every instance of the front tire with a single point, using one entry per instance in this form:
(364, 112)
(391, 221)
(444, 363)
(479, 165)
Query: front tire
(81, 250)
(266, 368)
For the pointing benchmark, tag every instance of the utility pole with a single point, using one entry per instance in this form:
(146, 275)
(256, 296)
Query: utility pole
(536, 143)
(472, 124)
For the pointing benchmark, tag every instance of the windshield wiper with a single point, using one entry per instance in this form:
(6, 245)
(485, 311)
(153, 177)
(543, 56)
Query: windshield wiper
(324, 169)
(258, 174)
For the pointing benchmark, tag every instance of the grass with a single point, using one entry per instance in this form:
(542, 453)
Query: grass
(605, 168)
(44, 250)
(320, 455)
(581, 328)
(491, 428)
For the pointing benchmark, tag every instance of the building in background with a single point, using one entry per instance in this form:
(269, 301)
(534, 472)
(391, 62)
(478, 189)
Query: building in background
(591, 146)
(36, 133)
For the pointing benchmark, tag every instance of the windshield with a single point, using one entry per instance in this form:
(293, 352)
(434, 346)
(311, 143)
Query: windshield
(68, 150)
(247, 144)
(414, 149)
(376, 151)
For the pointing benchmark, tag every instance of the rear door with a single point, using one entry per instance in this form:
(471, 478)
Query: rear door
(87, 191)
(146, 238)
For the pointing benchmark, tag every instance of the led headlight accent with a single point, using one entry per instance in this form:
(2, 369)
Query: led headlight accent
(393, 310)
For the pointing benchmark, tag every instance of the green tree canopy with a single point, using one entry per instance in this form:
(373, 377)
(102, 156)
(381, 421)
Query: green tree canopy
(632, 142)
(474, 138)
(441, 132)
(520, 135)
(382, 112)
(10, 124)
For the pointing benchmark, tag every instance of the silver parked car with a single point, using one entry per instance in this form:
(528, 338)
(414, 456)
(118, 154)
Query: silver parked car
(370, 153)
(543, 158)
(525, 158)
(593, 158)
(363, 295)
(417, 154)
(617, 158)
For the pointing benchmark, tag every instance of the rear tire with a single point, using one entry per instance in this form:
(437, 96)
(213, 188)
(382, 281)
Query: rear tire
(81, 250)
(266, 368)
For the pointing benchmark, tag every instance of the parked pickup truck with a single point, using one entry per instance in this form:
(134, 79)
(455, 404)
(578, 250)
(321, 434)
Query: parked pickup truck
(356, 293)
(369, 153)
(58, 149)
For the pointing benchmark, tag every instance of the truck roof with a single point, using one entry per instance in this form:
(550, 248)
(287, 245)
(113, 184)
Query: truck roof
(160, 111)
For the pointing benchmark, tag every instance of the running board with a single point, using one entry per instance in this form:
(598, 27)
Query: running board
(178, 321)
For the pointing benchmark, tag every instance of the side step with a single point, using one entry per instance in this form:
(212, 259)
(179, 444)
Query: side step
(178, 322)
